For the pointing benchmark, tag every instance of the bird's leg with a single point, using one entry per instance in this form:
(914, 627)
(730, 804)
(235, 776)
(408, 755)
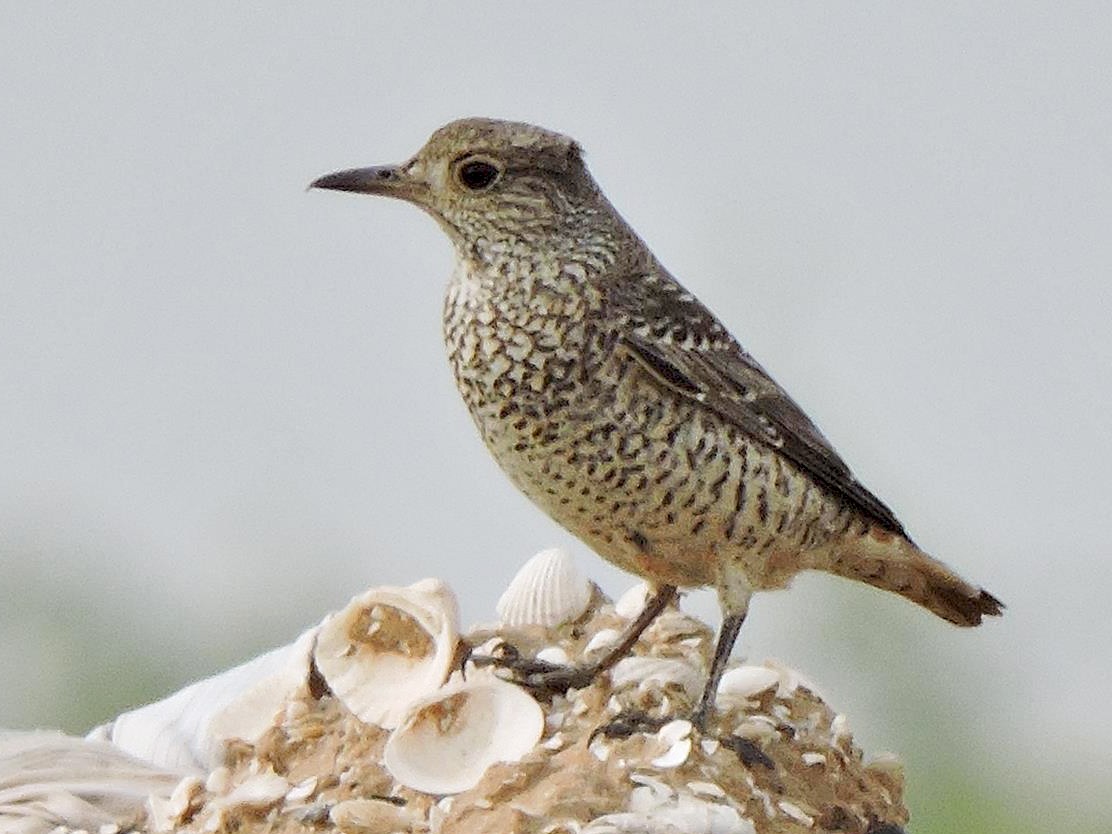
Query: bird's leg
(727, 636)
(664, 595)
(734, 593)
(549, 679)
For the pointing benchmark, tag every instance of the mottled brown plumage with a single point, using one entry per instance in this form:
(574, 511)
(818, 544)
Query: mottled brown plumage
(620, 405)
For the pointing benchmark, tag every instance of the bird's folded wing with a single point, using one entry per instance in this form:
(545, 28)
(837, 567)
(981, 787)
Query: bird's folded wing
(686, 350)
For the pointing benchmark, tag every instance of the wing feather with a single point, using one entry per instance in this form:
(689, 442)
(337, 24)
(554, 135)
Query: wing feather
(685, 349)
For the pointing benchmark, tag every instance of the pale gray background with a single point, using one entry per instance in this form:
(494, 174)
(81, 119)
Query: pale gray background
(224, 406)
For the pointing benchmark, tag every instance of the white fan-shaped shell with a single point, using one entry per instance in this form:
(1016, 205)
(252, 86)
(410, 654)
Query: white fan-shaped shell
(548, 590)
(389, 647)
(447, 740)
(188, 729)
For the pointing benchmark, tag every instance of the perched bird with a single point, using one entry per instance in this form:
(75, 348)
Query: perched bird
(622, 407)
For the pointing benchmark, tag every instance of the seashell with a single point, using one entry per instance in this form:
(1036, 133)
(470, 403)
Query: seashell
(188, 729)
(548, 591)
(747, 682)
(790, 680)
(839, 728)
(53, 782)
(758, 728)
(447, 740)
(219, 781)
(706, 789)
(371, 816)
(676, 737)
(632, 602)
(389, 647)
(603, 639)
(554, 655)
(257, 792)
(884, 763)
(796, 813)
(652, 792)
(166, 814)
(682, 813)
(303, 789)
(659, 672)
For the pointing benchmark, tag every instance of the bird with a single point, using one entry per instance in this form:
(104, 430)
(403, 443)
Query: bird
(624, 408)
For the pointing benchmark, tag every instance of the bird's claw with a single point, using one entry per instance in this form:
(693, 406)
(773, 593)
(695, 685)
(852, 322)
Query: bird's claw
(538, 676)
(625, 724)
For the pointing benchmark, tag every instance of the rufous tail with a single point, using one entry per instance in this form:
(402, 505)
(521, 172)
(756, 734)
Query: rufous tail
(889, 561)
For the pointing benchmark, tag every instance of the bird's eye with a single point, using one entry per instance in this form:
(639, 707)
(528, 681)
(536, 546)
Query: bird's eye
(477, 175)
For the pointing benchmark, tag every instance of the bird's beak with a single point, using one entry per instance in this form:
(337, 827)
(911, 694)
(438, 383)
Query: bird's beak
(385, 180)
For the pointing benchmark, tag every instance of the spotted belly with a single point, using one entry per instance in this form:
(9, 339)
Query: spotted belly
(664, 489)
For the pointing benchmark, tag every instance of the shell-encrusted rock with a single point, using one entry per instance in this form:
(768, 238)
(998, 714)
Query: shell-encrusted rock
(447, 741)
(188, 729)
(656, 672)
(389, 647)
(548, 591)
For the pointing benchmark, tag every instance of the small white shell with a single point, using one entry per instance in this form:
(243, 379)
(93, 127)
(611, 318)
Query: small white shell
(166, 815)
(257, 792)
(659, 672)
(746, 682)
(604, 638)
(707, 790)
(796, 813)
(632, 602)
(790, 680)
(371, 816)
(447, 740)
(554, 655)
(839, 728)
(548, 591)
(388, 647)
(683, 813)
(675, 737)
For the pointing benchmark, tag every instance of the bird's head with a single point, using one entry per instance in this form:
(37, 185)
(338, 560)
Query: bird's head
(484, 179)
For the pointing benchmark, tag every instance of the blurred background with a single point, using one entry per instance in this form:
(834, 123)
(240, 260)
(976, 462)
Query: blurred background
(225, 409)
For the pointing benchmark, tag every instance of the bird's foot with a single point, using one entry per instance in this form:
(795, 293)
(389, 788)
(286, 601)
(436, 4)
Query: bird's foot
(628, 723)
(540, 677)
